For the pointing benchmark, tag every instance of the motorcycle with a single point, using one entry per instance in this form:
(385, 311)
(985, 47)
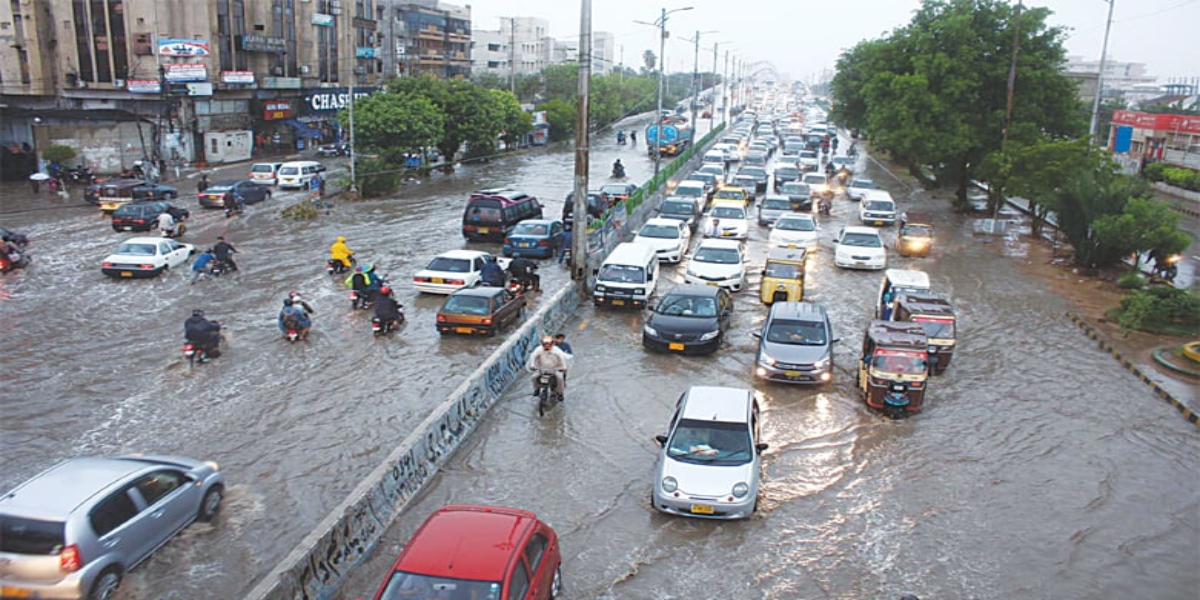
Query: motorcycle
(195, 353)
(335, 267)
(1166, 270)
(825, 205)
(361, 301)
(621, 139)
(177, 232)
(547, 394)
(292, 335)
(81, 174)
(219, 267)
(618, 173)
(381, 327)
(237, 208)
(8, 263)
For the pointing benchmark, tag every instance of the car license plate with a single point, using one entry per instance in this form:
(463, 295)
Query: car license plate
(126, 228)
(14, 592)
(437, 280)
(712, 283)
(618, 302)
(727, 234)
(879, 222)
(126, 273)
(483, 230)
(702, 509)
(523, 245)
(675, 345)
(463, 330)
(792, 374)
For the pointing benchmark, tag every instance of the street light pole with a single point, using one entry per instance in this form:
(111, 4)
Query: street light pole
(695, 85)
(662, 65)
(579, 235)
(350, 100)
(1100, 75)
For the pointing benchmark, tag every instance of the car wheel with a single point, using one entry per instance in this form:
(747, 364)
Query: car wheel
(556, 585)
(106, 584)
(211, 505)
(170, 196)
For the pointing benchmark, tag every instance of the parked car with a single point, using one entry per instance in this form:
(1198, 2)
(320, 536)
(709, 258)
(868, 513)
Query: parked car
(795, 344)
(117, 192)
(794, 230)
(689, 319)
(482, 310)
(859, 248)
(222, 191)
(597, 203)
(144, 216)
(719, 262)
(336, 149)
(711, 457)
(265, 173)
(539, 238)
(75, 529)
(475, 552)
(450, 271)
(668, 237)
(145, 257)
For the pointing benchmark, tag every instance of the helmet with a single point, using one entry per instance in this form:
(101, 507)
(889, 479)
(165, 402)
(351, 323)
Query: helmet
(197, 313)
(287, 301)
(358, 269)
(385, 290)
(341, 239)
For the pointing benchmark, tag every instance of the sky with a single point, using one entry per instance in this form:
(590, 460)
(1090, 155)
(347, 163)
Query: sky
(802, 39)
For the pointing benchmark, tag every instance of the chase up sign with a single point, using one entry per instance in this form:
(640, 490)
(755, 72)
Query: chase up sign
(326, 102)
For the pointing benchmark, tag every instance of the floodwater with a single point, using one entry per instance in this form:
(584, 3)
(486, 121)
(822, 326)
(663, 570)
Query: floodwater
(1038, 469)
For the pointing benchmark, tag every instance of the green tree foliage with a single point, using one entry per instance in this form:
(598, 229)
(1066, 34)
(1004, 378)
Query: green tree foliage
(58, 153)
(933, 93)
(390, 124)
(514, 121)
(1086, 198)
(471, 116)
(1144, 224)
(560, 82)
(561, 117)
(1036, 170)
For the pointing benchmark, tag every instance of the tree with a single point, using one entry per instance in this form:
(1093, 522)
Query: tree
(560, 115)
(1080, 202)
(471, 115)
(58, 154)
(391, 124)
(515, 122)
(1144, 224)
(649, 60)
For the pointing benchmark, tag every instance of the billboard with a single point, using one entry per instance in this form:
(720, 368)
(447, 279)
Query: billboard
(183, 72)
(181, 47)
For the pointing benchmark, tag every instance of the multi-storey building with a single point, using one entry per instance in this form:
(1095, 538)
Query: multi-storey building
(523, 46)
(122, 80)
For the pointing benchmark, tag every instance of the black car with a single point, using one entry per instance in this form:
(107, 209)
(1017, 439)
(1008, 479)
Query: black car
(689, 319)
(687, 210)
(339, 149)
(144, 216)
(218, 192)
(800, 194)
(9, 235)
(597, 203)
(784, 174)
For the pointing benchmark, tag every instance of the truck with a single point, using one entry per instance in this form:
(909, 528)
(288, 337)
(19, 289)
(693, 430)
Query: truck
(676, 136)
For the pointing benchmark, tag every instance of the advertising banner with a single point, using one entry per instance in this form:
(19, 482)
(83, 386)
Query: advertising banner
(322, 20)
(183, 72)
(239, 77)
(143, 86)
(180, 47)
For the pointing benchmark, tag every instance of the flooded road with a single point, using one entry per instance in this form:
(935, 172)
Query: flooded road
(1038, 469)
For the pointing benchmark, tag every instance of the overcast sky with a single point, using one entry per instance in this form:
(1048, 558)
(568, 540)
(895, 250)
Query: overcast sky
(801, 38)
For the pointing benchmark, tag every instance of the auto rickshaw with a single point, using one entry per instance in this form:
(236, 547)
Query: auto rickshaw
(893, 369)
(896, 282)
(937, 317)
(916, 235)
(783, 275)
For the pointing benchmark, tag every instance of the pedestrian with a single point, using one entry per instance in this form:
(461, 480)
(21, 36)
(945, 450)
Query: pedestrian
(202, 184)
(321, 184)
(224, 252)
(200, 266)
(277, 142)
(632, 138)
(565, 246)
(715, 228)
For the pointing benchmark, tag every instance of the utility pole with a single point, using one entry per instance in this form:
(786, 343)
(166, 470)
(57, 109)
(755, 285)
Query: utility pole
(725, 91)
(1100, 75)
(350, 109)
(512, 55)
(579, 236)
(662, 65)
(714, 77)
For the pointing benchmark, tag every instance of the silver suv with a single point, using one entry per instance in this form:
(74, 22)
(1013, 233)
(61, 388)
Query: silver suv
(75, 529)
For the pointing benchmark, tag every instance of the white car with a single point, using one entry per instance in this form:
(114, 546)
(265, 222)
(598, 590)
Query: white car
(794, 230)
(145, 257)
(668, 237)
(450, 271)
(877, 208)
(718, 262)
(726, 220)
(817, 182)
(860, 248)
(859, 188)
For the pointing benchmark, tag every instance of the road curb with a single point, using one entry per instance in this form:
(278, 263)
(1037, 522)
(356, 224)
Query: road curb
(1107, 346)
(1158, 358)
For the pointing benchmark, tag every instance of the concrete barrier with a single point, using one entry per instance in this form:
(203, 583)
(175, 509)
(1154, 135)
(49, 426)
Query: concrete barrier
(323, 559)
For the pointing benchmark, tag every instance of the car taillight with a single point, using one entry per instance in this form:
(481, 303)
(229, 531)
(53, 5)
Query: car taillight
(69, 559)
(145, 266)
(107, 265)
(544, 243)
(420, 280)
(456, 282)
(139, 221)
(441, 319)
(487, 321)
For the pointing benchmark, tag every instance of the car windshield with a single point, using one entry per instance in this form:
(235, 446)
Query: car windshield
(614, 190)
(466, 305)
(729, 194)
(721, 256)
(776, 204)
(797, 333)
(678, 305)
(783, 270)
(898, 363)
(136, 249)
(865, 240)
(534, 229)
(794, 224)
(622, 274)
(879, 205)
(795, 188)
(405, 586)
(690, 191)
(814, 179)
(262, 169)
(786, 173)
(728, 212)
(710, 442)
(755, 172)
(936, 328)
(677, 207)
(862, 184)
(218, 189)
(916, 231)
(289, 171)
(654, 230)
(450, 265)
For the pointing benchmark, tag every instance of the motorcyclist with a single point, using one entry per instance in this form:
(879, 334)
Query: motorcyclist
(548, 357)
(621, 138)
(203, 333)
(341, 253)
(618, 169)
(387, 309)
(201, 267)
(360, 281)
(525, 272)
(224, 252)
(491, 273)
(166, 223)
(301, 302)
(633, 137)
(294, 318)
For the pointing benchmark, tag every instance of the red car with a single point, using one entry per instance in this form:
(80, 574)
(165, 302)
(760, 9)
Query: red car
(471, 552)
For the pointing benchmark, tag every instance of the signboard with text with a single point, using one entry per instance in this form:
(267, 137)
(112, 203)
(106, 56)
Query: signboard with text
(182, 47)
(1158, 122)
(260, 43)
(322, 20)
(331, 100)
(143, 86)
(277, 110)
(183, 72)
(238, 77)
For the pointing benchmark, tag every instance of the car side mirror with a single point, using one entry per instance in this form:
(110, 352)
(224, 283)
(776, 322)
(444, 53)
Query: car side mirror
(760, 448)
(661, 439)
(835, 340)
(757, 334)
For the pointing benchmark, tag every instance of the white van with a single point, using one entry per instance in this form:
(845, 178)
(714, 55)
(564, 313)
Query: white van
(877, 208)
(627, 277)
(297, 174)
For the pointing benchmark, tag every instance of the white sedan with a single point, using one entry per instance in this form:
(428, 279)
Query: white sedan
(451, 271)
(668, 237)
(718, 262)
(860, 248)
(794, 230)
(145, 257)
(726, 220)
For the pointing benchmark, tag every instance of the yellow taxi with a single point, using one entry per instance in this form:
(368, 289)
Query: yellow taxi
(730, 192)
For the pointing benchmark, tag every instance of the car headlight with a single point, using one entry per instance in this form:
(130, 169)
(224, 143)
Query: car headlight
(710, 335)
(669, 484)
(639, 291)
(648, 330)
(600, 288)
(740, 490)
(766, 359)
(822, 364)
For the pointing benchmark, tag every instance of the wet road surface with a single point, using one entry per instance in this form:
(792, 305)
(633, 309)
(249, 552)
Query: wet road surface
(1038, 470)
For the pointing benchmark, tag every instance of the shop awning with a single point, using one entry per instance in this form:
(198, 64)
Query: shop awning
(302, 130)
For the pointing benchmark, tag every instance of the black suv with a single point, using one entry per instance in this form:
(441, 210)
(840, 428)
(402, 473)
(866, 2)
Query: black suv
(144, 216)
(597, 203)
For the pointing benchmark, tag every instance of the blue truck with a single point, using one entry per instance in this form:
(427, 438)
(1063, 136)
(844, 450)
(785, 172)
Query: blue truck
(676, 137)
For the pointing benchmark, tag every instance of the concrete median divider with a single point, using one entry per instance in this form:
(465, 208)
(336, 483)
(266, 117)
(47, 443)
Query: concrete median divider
(320, 563)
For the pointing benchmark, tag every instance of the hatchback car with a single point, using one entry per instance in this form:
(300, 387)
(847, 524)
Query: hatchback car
(711, 457)
(451, 271)
(144, 216)
(859, 248)
(799, 194)
(141, 257)
(795, 345)
(479, 553)
(75, 529)
(264, 173)
(216, 195)
(690, 319)
(618, 191)
(482, 310)
(684, 209)
(772, 207)
(668, 237)
(718, 262)
(534, 237)
(794, 230)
